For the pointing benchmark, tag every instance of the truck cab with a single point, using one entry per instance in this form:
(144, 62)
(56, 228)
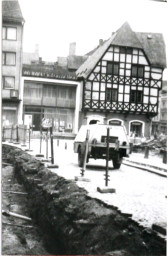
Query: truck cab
(97, 143)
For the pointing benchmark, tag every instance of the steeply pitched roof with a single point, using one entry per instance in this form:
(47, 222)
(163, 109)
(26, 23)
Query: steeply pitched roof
(153, 47)
(85, 69)
(11, 10)
(126, 37)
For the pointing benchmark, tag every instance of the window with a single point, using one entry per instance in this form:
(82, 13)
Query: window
(111, 94)
(136, 96)
(127, 50)
(113, 68)
(136, 129)
(138, 71)
(49, 91)
(9, 33)
(62, 92)
(9, 58)
(8, 82)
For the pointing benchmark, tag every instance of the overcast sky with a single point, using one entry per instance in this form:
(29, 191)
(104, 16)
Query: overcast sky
(53, 24)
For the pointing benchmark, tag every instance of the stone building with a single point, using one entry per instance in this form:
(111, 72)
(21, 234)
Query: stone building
(121, 80)
(51, 91)
(159, 122)
(12, 36)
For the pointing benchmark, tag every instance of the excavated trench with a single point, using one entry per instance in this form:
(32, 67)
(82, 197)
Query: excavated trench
(76, 223)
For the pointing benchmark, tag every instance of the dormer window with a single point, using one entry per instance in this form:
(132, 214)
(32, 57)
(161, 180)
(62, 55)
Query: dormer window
(137, 71)
(112, 68)
(127, 50)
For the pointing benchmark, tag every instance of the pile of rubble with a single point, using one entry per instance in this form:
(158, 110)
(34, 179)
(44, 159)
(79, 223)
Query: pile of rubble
(158, 144)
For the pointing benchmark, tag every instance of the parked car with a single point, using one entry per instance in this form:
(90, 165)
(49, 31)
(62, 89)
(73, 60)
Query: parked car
(97, 143)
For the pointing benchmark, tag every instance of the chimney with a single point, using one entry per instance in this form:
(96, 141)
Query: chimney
(100, 42)
(72, 49)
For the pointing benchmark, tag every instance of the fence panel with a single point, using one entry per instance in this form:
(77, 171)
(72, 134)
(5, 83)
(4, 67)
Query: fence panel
(15, 134)
(22, 130)
(7, 132)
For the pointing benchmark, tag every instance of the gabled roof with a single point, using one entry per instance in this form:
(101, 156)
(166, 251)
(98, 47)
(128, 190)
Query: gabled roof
(154, 48)
(11, 11)
(85, 69)
(126, 37)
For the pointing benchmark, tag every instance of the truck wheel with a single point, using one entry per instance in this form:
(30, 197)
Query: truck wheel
(80, 158)
(117, 162)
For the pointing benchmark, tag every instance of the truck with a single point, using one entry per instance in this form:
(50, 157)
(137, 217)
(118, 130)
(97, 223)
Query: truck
(97, 143)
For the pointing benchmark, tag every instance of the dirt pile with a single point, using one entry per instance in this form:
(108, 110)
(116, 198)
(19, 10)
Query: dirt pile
(82, 225)
(157, 143)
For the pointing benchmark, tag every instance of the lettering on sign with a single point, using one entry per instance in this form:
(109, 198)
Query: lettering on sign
(46, 74)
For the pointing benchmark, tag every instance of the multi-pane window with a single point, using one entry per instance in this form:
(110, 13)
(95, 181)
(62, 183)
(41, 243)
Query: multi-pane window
(127, 50)
(49, 91)
(71, 93)
(62, 92)
(111, 95)
(113, 68)
(138, 71)
(9, 58)
(8, 82)
(9, 33)
(32, 90)
(136, 96)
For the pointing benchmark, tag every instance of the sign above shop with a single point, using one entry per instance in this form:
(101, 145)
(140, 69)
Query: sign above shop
(46, 74)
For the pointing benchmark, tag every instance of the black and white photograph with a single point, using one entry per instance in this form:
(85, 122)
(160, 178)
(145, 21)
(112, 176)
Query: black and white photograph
(84, 127)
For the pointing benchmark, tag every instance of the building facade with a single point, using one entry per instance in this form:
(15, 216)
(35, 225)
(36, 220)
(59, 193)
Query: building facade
(51, 91)
(121, 81)
(12, 36)
(159, 122)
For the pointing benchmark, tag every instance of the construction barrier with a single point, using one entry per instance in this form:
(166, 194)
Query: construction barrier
(7, 133)
(14, 133)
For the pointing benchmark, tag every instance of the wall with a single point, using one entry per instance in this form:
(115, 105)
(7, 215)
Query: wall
(104, 117)
(14, 46)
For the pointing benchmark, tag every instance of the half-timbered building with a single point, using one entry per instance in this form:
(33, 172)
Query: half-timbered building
(121, 80)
